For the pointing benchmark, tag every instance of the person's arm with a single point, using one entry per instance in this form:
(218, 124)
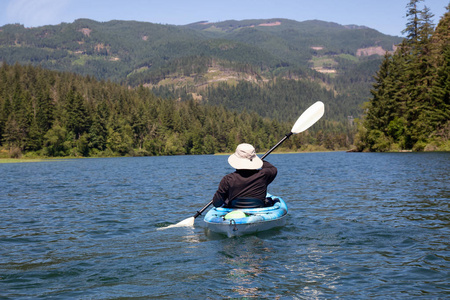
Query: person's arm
(270, 170)
(221, 194)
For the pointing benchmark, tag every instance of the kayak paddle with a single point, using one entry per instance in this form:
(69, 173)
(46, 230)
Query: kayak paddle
(306, 120)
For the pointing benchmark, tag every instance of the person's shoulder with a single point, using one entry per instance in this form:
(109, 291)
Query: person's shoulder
(229, 176)
(269, 169)
(267, 164)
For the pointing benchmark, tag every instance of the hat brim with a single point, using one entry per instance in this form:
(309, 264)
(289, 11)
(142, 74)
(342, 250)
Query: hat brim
(244, 163)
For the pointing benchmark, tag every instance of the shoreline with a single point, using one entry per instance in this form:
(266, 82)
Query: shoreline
(37, 159)
(5, 160)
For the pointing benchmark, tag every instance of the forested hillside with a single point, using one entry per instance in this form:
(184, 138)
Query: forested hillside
(183, 61)
(117, 49)
(48, 113)
(410, 104)
(296, 42)
(152, 89)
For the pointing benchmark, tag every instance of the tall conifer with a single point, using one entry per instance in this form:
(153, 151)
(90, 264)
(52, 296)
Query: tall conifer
(410, 98)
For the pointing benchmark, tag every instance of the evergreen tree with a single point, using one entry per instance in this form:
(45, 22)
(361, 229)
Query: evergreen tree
(439, 114)
(413, 15)
(78, 119)
(409, 104)
(61, 114)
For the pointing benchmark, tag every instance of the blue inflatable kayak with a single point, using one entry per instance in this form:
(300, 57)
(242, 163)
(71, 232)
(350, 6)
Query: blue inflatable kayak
(237, 221)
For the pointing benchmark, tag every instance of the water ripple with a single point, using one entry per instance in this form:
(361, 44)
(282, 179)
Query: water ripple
(359, 226)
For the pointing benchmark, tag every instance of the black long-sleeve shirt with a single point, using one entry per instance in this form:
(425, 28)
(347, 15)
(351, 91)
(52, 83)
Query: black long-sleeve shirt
(245, 184)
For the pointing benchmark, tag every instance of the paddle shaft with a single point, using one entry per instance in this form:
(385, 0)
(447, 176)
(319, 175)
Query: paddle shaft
(278, 144)
(264, 156)
(203, 209)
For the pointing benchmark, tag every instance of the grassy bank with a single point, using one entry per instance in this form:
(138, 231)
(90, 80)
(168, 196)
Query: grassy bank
(20, 160)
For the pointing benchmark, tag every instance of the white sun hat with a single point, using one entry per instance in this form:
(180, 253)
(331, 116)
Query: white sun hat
(245, 158)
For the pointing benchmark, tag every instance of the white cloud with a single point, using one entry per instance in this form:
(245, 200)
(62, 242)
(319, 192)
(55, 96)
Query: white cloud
(36, 12)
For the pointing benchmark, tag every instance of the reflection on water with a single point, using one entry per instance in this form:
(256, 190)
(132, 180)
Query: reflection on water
(359, 226)
(244, 262)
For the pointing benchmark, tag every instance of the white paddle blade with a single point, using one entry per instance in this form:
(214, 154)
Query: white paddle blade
(189, 222)
(309, 117)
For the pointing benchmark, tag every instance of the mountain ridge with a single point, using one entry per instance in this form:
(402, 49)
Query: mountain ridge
(182, 62)
(294, 44)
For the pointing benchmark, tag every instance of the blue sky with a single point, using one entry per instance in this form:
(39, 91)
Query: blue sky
(386, 16)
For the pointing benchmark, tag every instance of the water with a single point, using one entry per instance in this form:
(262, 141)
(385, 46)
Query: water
(360, 226)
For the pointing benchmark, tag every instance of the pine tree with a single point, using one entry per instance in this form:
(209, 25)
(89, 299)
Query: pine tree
(412, 26)
(440, 49)
(410, 96)
(78, 119)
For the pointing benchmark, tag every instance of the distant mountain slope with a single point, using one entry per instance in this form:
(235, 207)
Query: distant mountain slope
(299, 39)
(116, 49)
(108, 50)
(189, 61)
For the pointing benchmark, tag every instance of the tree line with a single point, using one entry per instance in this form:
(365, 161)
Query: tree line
(54, 114)
(409, 107)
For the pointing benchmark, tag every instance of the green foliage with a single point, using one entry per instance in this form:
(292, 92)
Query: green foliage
(378, 141)
(397, 129)
(291, 41)
(102, 117)
(136, 53)
(139, 52)
(55, 143)
(55, 114)
(410, 107)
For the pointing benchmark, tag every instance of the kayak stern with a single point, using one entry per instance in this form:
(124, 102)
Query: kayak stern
(251, 221)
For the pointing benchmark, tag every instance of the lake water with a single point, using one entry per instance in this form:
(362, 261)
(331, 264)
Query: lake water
(360, 225)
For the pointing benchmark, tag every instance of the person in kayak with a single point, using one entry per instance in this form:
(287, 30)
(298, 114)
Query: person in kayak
(247, 186)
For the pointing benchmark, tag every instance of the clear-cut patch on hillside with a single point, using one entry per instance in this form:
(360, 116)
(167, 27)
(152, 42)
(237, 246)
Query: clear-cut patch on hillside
(277, 23)
(378, 50)
(86, 31)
